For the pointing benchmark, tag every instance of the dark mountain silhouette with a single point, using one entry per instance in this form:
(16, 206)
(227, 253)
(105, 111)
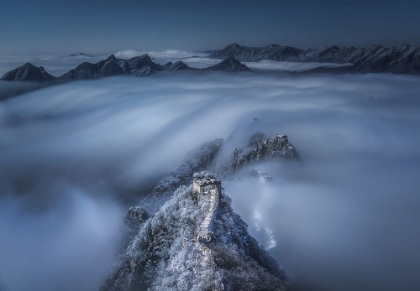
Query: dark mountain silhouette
(403, 59)
(229, 65)
(28, 72)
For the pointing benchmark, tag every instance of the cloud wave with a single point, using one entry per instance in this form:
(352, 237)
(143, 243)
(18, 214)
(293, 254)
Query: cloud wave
(72, 156)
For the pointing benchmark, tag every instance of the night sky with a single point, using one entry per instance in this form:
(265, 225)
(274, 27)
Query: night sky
(102, 26)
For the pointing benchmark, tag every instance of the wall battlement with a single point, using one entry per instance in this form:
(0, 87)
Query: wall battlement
(203, 185)
(208, 190)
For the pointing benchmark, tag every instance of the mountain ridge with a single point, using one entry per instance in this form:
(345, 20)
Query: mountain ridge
(28, 72)
(184, 234)
(137, 66)
(403, 59)
(209, 156)
(195, 241)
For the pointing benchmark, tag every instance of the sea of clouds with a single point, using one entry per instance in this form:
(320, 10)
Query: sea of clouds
(73, 157)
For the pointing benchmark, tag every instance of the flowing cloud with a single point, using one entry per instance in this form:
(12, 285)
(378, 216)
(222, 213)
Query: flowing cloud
(289, 66)
(72, 156)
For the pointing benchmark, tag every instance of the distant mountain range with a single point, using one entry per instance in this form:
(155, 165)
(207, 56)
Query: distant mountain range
(137, 66)
(403, 59)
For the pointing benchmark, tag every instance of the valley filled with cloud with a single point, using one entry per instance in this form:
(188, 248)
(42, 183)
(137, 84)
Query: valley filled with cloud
(73, 157)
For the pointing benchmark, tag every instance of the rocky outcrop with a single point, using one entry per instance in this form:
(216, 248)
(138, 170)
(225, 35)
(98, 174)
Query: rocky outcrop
(207, 157)
(195, 241)
(260, 148)
(28, 72)
(403, 59)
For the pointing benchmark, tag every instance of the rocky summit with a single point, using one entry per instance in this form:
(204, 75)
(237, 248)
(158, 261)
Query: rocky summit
(195, 241)
(27, 72)
(184, 235)
(229, 65)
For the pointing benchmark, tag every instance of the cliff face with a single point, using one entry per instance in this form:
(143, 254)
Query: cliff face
(195, 241)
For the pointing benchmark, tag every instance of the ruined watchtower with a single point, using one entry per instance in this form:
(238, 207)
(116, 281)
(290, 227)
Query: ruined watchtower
(205, 181)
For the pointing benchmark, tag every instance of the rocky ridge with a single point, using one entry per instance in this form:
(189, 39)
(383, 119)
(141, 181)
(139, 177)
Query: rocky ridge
(208, 157)
(112, 66)
(229, 65)
(195, 241)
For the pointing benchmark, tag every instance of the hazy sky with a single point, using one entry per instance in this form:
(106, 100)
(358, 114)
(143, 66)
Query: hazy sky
(102, 26)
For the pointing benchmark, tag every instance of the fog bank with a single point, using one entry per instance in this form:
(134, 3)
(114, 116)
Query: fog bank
(71, 156)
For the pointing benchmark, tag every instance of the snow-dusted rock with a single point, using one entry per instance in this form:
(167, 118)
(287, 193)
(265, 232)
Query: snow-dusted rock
(195, 241)
(206, 157)
(259, 148)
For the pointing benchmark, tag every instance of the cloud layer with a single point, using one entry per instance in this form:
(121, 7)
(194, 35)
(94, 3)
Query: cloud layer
(345, 219)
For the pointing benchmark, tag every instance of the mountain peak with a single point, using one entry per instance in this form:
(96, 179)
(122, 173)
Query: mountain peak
(177, 66)
(404, 46)
(233, 46)
(272, 45)
(229, 65)
(195, 241)
(111, 58)
(27, 72)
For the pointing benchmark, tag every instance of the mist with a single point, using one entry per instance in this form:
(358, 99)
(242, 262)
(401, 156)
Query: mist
(73, 158)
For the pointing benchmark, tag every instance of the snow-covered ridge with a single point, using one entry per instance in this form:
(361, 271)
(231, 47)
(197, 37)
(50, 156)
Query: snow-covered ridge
(195, 241)
(207, 157)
